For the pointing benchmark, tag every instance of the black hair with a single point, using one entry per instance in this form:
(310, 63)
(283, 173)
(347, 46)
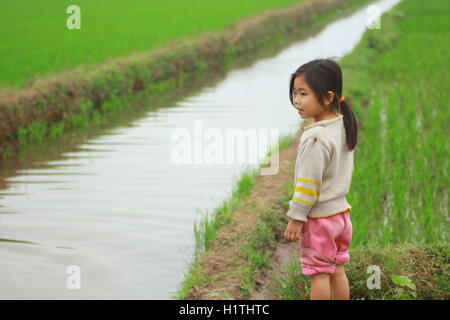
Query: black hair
(323, 75)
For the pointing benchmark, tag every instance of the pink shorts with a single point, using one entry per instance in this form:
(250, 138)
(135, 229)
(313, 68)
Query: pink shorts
(325, 242)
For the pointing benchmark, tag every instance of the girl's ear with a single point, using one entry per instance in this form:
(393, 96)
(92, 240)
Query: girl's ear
(328, 98)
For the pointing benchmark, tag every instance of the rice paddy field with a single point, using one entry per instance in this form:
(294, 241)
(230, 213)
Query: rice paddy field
(400, 183)
(36, 41)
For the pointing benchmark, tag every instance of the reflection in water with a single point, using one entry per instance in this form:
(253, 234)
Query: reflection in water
(29, 242)
(17, 241)
(121, 205)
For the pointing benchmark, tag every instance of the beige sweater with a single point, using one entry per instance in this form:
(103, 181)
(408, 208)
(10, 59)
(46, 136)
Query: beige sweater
(323, 171)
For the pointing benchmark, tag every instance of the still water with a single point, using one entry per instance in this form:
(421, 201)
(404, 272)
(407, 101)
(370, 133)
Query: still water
(120, 208)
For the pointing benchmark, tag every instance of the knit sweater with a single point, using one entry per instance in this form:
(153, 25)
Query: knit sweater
(323, 171)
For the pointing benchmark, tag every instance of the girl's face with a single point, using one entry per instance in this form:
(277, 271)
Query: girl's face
(306, 103)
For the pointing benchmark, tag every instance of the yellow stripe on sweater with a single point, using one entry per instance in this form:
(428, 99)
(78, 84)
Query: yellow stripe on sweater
(310, 181)
(308, 192)
(304, 201)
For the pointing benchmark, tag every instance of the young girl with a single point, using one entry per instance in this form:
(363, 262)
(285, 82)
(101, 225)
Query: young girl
(319, 211)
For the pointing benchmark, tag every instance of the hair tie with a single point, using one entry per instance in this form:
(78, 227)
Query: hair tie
(342, 99)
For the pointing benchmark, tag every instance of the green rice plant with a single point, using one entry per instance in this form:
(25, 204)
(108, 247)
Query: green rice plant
(32, 134)
(399, 189)
(56, 130)
(42, 44)
(291, 284)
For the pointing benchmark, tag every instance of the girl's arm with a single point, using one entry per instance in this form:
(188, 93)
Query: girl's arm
(314, 157)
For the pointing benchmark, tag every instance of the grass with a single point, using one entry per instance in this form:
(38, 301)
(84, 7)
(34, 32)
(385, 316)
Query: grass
(36, 41)
(400, 183)
(406, 272)
(206, 229)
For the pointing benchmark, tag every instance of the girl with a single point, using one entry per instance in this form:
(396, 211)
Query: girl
(319, 211)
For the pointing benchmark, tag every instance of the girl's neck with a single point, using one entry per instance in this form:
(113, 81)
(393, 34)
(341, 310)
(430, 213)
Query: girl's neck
(327, 116)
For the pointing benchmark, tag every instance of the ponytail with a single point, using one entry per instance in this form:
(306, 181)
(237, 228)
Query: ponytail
(350, 124)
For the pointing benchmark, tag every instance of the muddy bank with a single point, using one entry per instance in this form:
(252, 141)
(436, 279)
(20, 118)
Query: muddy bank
(52, 106)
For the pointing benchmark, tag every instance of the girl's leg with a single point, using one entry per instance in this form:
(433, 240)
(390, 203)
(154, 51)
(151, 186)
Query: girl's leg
(340, 289)
(320, 286)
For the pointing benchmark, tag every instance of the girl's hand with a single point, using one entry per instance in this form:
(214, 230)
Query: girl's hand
(293, 230)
